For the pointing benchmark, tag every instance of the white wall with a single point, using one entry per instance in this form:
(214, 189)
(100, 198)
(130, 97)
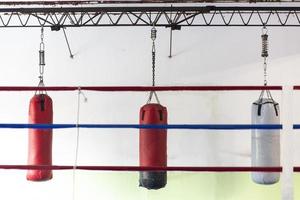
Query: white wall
(122, 56)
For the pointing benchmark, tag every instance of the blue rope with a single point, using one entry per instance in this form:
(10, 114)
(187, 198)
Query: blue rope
(296, 126)
(146, 126)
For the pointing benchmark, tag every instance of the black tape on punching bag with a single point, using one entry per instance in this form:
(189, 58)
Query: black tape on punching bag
(40, 140)
(153, 146)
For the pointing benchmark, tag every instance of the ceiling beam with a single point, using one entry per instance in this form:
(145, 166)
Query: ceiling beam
(57, 17)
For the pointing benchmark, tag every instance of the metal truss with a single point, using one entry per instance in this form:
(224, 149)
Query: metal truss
(165, 16)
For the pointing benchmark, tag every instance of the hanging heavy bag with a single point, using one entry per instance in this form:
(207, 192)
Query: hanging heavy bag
(40, 140)
(265, 142)
(153, 146)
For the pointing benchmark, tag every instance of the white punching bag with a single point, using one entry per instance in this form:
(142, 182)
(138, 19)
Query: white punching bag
(265, 142)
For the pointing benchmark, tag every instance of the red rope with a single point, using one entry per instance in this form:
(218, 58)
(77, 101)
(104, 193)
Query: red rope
(137, 168)
(297, 87)
(139, 88)
(33, 88)
(296, 169)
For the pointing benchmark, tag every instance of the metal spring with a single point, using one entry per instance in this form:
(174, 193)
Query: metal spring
(265, 45)
(153, 33)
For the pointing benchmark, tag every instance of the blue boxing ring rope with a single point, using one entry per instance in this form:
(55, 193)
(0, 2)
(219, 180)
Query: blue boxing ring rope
(147, 126)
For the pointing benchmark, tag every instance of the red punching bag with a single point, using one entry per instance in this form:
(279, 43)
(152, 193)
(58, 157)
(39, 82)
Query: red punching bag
(153, 146)
(40, 140)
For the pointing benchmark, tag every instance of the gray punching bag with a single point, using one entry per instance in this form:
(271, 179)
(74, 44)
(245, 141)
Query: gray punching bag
(265, 143)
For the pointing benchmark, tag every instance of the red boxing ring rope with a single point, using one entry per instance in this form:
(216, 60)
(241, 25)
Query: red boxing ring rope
(138, 88)
(139, 168)
(296, 169)
(297, 87)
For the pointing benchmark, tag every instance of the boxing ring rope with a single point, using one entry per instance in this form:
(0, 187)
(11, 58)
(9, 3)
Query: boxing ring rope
(296, 169)
(146, 126)
(296, 126)
(296, 87)
(139, 126)
(137, 88)
(141, 168)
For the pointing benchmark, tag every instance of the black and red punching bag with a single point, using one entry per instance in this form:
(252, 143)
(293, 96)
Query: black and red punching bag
(40, 140)
(153, 146)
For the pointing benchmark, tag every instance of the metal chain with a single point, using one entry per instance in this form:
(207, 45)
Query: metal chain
(265, 72)
(153, 67)
(153, 37)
